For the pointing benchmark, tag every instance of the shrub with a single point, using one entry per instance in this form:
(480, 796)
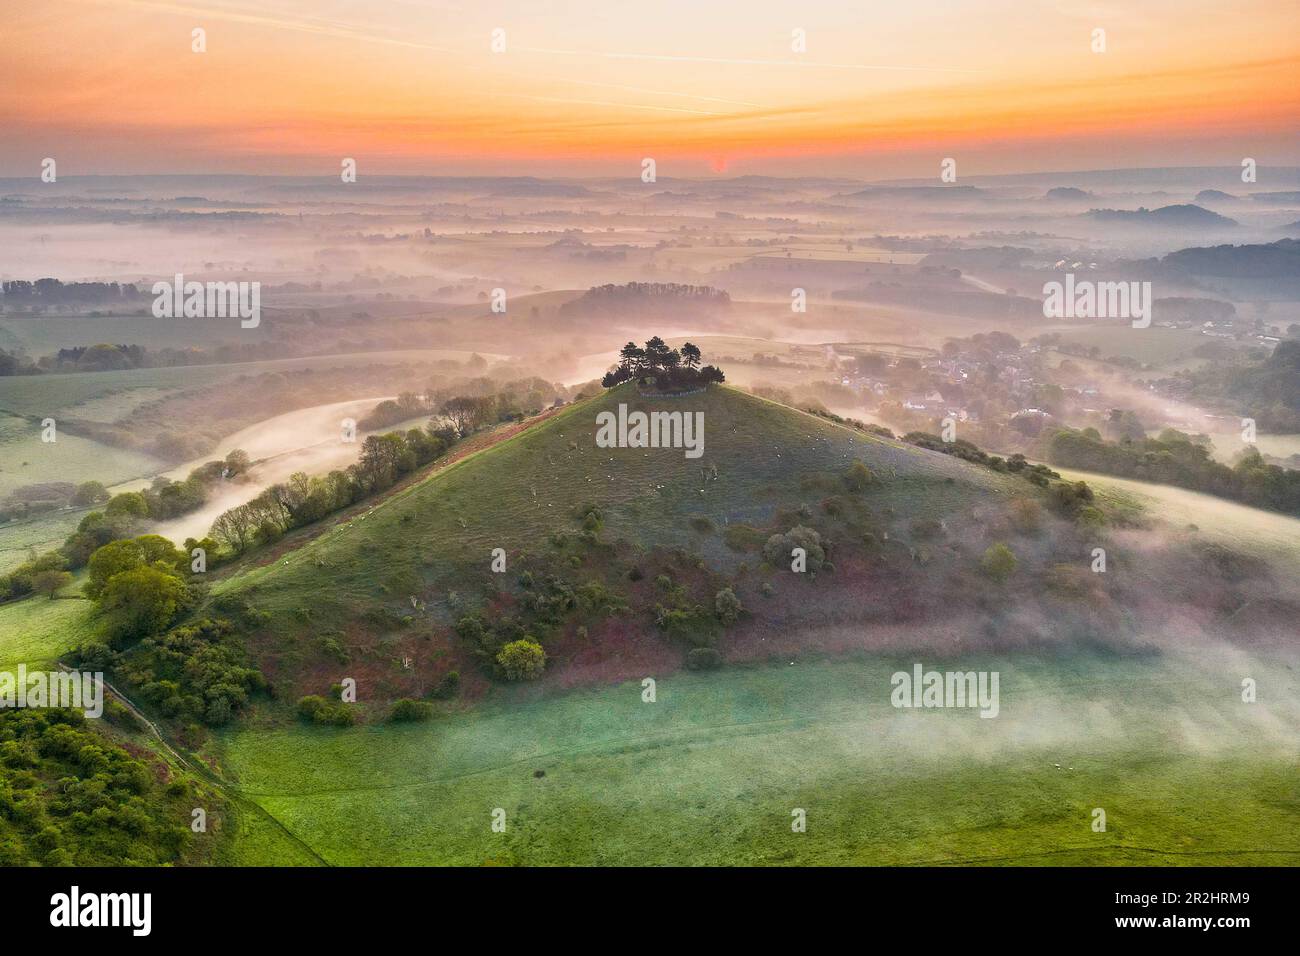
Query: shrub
(999, 562)
(522, 660)
(117, 714)
(693, 625)
(727, 606)
(1026, 516)
(48, 582)
(702, 658)
(407, 710)
(778, 549)
(197, 670)
(90, 493)
(858, 477)
(743, 537)
(318, 710)
(447, 686)
(1090, 518)
(927, 527)
(336, 715)
(1068, 498)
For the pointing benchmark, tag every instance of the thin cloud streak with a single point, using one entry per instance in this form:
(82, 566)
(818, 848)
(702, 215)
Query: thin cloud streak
(739, 61)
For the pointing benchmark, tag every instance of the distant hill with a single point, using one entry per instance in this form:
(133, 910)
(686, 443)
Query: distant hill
(1279, 259)
(1184, 214)
(1067, 192)
(1277, 197)
(1216, 195)
(647, 299)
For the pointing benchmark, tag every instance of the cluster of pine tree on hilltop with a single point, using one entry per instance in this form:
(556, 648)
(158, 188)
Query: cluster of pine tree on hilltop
(669, 370)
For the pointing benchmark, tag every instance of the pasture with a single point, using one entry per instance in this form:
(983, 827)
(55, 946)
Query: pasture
(711, 772)
(1162, 348)
(38, 630)
(26, 460)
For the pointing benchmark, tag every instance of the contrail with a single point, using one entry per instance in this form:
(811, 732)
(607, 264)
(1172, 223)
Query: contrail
(738, 61)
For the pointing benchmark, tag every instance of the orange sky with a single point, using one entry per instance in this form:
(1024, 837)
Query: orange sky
(413, 86)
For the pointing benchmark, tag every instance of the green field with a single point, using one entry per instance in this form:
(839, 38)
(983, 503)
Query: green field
(710, 773)
(1160, 347)
(28, 460)
(46, 333)
(42, 533)
(40, 630)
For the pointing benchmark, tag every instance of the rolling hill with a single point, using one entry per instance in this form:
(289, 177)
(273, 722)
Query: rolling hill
(391, 583)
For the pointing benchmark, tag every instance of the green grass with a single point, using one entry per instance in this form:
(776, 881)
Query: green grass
(251, 837)
(38, 630)
(1239, 526)
(710, 773)
(45, 532)
(28, 460)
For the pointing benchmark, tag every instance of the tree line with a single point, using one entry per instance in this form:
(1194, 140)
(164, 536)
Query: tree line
(305, 499)
(1175, 459)
(637, 294)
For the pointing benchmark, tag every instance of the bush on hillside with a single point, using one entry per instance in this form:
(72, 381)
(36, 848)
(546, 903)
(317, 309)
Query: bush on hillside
(522, 660)
(406, 710)
(998, 562)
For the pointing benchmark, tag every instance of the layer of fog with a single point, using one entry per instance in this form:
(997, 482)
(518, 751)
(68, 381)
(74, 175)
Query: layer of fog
(307, 440)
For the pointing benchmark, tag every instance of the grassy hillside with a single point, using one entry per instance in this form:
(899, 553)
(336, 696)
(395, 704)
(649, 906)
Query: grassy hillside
(346, 597)
(38, 630)
(516, 494)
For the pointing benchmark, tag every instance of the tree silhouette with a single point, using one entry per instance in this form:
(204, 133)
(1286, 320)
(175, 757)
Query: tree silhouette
(671, 370)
